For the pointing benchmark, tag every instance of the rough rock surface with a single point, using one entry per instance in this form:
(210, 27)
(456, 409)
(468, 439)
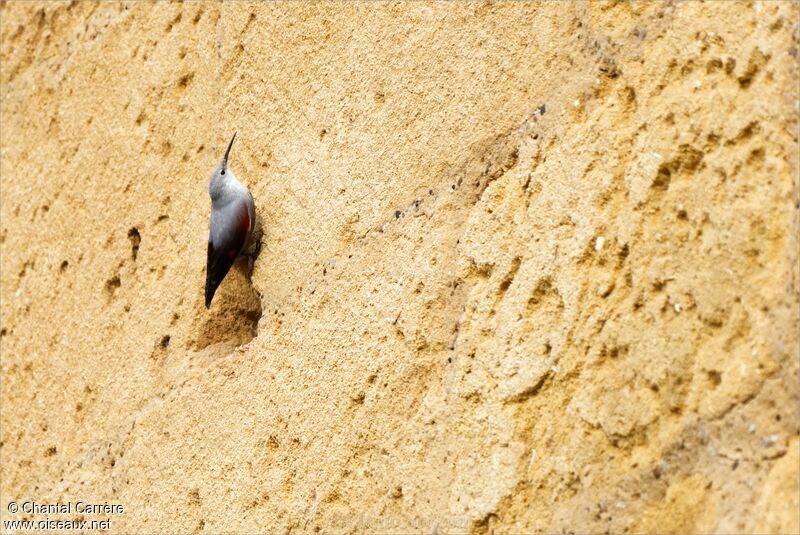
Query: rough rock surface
(527, 267)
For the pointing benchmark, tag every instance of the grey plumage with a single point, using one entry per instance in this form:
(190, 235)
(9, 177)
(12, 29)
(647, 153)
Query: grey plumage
(233, 218)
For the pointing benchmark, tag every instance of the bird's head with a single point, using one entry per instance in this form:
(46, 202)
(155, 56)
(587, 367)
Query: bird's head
(221, 172)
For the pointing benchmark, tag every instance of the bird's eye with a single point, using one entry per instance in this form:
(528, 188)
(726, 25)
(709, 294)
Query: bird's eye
(222, 172)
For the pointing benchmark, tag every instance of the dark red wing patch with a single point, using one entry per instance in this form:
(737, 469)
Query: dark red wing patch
(246, 223)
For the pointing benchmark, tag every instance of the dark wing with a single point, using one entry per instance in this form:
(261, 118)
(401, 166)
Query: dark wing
(230, 228)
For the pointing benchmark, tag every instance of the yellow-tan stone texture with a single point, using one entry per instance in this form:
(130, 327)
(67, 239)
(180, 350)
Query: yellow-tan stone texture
(527, 266)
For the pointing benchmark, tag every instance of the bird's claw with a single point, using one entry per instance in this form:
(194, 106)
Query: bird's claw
(251, 257)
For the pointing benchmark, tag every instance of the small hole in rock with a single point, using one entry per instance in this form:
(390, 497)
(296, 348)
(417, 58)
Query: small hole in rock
(112, 285)
(136, 239)
(715, 377)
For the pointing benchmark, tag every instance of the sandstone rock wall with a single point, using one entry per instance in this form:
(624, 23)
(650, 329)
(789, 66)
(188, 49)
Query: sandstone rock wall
(527, 266)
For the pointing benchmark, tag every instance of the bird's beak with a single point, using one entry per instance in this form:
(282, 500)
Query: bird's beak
(225, 159)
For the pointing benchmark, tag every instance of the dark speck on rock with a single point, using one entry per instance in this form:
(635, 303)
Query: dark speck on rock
(397, 214)
(542, 109)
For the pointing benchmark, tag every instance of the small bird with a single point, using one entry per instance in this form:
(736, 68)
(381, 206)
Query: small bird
(233, 219)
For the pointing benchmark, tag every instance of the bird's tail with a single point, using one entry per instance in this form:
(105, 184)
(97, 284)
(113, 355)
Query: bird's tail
(211, 289)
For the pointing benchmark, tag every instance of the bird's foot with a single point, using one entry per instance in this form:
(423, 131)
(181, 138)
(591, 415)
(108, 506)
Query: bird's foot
(251, 257)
